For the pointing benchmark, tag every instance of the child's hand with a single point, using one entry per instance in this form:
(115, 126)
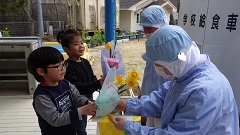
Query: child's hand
(89, 109)
(101, 80)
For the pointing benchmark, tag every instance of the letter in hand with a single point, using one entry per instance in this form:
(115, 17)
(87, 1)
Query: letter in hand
(117, 122)
(89, 109)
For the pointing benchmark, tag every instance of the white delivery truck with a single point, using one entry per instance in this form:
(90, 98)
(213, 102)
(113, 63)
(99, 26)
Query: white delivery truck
(215, 26)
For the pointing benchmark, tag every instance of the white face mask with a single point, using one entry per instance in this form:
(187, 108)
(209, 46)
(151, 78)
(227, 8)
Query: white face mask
(148, 35)
(160, 72)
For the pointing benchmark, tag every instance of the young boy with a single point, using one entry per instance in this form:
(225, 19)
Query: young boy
(57, 103)
(79, 71)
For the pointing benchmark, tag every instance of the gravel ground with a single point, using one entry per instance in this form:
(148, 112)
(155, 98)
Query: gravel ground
(132, 56)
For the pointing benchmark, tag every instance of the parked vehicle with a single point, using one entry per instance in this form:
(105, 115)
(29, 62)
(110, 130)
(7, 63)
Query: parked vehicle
(216, 31)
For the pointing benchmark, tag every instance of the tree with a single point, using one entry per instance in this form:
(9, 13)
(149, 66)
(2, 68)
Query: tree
(19, 7)
(27, 10)
(12, 6)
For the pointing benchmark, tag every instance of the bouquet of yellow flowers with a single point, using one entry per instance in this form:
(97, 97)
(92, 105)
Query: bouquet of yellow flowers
(109, 94)
(131, 81)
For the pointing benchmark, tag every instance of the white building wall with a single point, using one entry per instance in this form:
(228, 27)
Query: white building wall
(117, 13)
(51, 1)
(167, 13)
(101, 14)
(134, 25)
(90, 14)
(125, 20)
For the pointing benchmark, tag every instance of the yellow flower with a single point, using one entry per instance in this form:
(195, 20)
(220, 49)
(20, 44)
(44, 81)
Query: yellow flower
(131, 83)
(108, 46)
(133, 75)
(119, 80)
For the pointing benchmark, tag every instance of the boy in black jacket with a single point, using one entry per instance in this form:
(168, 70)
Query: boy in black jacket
(57, 103)
(79, 71)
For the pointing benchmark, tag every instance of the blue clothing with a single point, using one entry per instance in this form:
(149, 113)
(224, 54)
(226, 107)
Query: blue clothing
(153, 15)
(166, 43)
(151, 80)
(200, 102)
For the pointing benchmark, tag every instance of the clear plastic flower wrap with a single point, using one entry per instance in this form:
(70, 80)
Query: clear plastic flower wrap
(108, 97)
(111, 57)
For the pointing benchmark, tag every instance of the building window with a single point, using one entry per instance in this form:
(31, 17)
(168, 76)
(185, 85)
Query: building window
(138, 18)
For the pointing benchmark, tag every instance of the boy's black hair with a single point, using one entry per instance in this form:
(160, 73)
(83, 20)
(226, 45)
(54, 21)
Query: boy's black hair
(41, 58)
(65, 36)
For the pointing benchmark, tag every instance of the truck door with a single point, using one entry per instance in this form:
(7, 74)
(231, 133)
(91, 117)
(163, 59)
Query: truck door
(215, 26)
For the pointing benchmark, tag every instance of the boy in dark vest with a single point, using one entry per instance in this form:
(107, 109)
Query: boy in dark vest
(57, 103)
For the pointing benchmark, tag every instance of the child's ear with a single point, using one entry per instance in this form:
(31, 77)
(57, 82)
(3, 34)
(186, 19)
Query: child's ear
(40, 71)
(66, 50)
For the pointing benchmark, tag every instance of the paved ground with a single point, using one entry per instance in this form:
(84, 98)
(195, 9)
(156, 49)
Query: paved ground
(17, 117)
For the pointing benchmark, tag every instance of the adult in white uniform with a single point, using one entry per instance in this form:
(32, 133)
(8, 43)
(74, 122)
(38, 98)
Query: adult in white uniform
(197, 100)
